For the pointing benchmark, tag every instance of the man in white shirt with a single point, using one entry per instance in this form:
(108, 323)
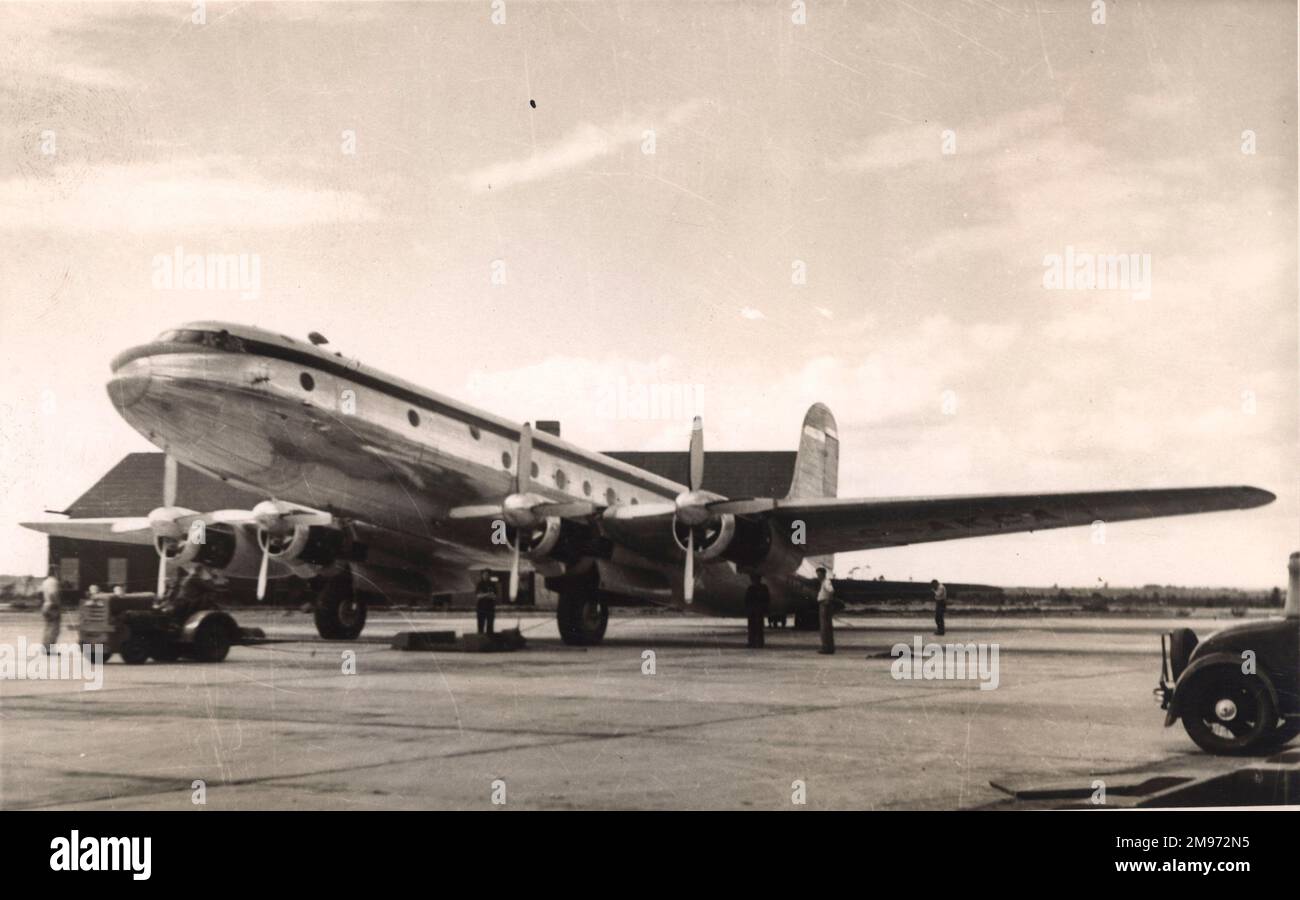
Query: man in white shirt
(51, 611)
(825, 608)
(940, 603)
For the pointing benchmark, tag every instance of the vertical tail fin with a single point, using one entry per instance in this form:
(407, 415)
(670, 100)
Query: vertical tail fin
(817, 467)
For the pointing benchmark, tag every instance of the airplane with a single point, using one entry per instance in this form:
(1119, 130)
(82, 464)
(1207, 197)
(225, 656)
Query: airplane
(377, 489)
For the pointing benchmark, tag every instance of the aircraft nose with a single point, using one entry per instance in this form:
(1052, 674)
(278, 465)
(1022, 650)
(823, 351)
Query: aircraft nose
(129, 383)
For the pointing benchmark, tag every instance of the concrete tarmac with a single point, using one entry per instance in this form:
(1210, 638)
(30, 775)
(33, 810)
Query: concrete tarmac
(716, 726)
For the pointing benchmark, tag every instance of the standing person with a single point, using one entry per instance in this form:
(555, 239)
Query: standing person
(51, 611)
(485, 602)
(940, 603)
(757, 600)
(825, 608)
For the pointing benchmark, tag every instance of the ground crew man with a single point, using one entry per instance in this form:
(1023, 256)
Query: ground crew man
(485, 602)
(757, 600)
(825, 609)
(940, 604)
(193, 593)
(51, 612)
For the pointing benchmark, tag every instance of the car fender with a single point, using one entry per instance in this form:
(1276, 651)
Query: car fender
(193, 622)
(1211, 661)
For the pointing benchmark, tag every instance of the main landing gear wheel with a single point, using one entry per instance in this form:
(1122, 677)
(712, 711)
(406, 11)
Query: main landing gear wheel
(340, 612)
(582, 617)
(1227, 712)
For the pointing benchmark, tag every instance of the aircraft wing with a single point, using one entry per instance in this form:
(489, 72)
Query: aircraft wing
(96, 530)
(835, 525)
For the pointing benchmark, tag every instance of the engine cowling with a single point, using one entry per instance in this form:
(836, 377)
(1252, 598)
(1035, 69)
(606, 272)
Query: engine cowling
(561, 540)
(219, 547)
(318, 546)
(737, 539)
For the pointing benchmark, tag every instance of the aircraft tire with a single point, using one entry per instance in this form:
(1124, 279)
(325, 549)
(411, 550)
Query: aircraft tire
(582, 616)
(340, 612)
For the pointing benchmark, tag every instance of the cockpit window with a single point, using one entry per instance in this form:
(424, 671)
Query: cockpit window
(216, 340)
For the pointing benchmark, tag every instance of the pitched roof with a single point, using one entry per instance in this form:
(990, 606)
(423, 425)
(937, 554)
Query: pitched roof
(134, 485)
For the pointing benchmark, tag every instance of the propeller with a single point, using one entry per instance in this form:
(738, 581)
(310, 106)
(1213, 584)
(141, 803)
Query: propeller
(273, 518)
(523, 477)
(169, 503)
(696, 478)
(692, 508)
(522, 509)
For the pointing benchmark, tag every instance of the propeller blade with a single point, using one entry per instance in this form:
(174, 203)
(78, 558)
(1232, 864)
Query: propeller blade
(697, 453)
(524, 459)
(514, 570)
(688, 587)
(169, 480)
(481, 511)
(261, 573)
(137, 523)
(162, 575)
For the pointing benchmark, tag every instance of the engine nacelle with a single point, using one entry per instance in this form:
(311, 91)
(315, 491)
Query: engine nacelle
(311, 545)
(215, 546)
(562, 540)
(743, 541)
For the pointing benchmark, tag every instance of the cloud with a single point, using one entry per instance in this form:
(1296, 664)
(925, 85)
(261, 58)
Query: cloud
(580, 146)
(153, 197)
(923, 143)
(751, 313)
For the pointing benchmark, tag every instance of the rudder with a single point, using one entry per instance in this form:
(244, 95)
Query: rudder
(817, 465)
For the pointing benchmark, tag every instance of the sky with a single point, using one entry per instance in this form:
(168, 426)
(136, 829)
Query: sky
(772, 204)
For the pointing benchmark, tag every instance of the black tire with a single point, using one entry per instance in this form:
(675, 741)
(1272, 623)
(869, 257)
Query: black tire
(212, 640)
(340, 612)
(167, 652)
(88, 651)
(1282, 734)
(1226, 712)
(134, 650)
(582, 616)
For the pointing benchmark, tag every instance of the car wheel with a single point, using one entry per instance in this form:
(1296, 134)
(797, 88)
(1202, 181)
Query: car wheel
(88, 650)
(212, 641)
(167, 652)
(134, 651)
(1283, 733)
(1227, 712)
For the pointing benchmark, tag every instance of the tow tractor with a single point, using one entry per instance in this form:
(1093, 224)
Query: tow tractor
(1237, 690)
(134, 626)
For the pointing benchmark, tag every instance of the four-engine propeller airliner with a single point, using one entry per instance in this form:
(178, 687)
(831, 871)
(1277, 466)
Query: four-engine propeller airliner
(376, 487)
